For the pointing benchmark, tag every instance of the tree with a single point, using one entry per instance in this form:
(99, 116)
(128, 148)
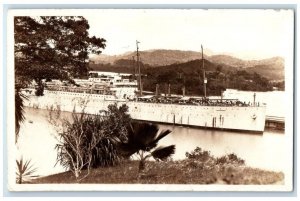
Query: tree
(143, 139)
(51, 47)
(219, 69)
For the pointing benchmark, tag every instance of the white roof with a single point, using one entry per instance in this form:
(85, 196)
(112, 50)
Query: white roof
(147, 96)
(185, 98)
(109, 73)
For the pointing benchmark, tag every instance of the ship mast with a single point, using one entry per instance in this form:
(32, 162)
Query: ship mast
(204, 78)
(139, 67)
(134, 68)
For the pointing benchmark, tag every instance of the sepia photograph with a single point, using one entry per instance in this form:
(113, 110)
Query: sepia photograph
(150, 99)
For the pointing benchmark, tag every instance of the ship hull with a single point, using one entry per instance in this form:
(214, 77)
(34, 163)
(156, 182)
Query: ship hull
(231, 118)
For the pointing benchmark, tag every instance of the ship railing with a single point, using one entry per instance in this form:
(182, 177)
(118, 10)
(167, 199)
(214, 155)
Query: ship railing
(81, 90)
(199, 102)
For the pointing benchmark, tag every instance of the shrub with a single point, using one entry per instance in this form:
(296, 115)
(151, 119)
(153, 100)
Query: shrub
(198, 154)
(91, 140)
(234, 158)
(24, 171)
(221, 160)
(230, 158)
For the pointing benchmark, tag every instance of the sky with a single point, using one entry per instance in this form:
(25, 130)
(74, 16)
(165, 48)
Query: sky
(243, 33)
(247, 34)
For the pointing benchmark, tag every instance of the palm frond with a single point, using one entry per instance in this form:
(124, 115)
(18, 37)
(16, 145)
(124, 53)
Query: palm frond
(20, 164)
(19, 110)
(145, 133)
(161, 135)
(142, 136)
(24, 171)
(163, 153)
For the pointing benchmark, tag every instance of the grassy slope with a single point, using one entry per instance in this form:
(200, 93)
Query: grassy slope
(172, 172)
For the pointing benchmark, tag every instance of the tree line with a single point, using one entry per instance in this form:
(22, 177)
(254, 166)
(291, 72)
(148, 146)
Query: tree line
(189, 75)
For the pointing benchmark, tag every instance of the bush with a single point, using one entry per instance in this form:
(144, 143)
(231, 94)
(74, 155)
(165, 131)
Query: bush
(91, 140)
(198, 154)
(234, 158)
(199, 157)
(221, 160)
(230, 158)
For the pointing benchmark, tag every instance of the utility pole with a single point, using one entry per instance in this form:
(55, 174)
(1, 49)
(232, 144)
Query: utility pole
(204, 78)
(139, 67)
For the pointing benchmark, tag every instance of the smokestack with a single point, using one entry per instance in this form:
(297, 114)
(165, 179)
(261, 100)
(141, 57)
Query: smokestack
(183, 91)
(169, 90)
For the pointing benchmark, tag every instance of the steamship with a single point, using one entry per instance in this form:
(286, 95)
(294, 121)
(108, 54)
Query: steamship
(101, 89)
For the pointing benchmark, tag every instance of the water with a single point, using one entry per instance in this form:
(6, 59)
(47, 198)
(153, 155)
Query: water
(266, 151)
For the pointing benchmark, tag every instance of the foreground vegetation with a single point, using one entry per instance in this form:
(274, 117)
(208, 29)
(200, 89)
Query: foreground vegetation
(200, 167)
(92, 141)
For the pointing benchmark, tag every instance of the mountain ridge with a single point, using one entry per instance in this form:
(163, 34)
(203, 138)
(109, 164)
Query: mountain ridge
(272, 68)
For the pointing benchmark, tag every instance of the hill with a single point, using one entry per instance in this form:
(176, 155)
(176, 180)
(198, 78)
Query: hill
(189, 74)
(227, 60)
(151, 57)
(271, 68)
